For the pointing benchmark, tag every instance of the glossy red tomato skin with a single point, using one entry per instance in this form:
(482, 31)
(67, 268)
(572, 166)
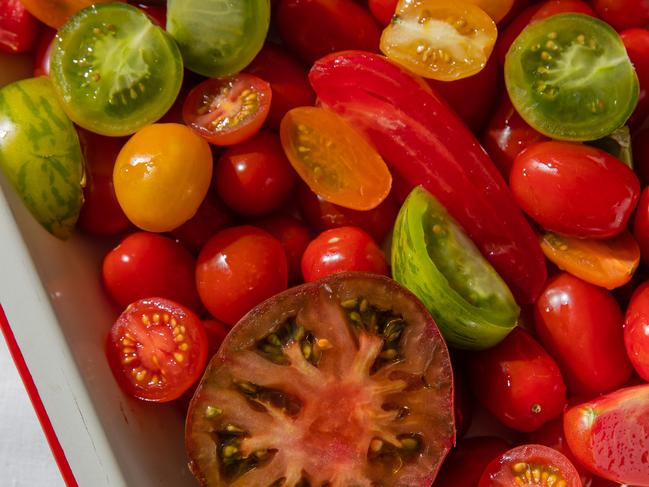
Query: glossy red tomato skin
(288, 82)
(341, 250)
(580, 325)
(314, 28)
(18, 28)
(636, 41)
(383, 10)
(641, 225)
(42, 53)
(636, 331)
(518, 382)
(216, 333)
(610, 435)
(623, 14)
(239, 268)
(574, 190)
(294, 237)
(254, 177)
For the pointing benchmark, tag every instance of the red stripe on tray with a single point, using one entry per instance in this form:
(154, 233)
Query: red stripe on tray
(41, 413)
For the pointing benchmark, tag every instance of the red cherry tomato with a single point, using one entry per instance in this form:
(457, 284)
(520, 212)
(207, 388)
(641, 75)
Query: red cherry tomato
(640, 145)
(156, 13)
(518, 382)
(313, 28)
(288, 82)
(18, 28)
(636, 331)
(580, 324)
(623, 14)
(573, 189)
(383, 10)
(636, 42)
(294, 237)
(157, 349)
(216, 333)
(254, 177)
(43, 49)
(239, 268)
(147, 264)
(641, 225)
(101, 213)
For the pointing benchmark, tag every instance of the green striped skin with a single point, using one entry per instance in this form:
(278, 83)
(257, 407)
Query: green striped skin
(40, 154)
(218, 37)
(436, 260)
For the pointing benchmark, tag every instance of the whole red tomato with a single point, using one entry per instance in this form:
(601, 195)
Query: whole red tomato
(636, 331)
(216, 333)
(383, 10)
(294, 237)
(623, 14)
(641, 225)
(636, 42)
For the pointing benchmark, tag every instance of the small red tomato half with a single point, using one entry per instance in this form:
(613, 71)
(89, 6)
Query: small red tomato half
(18, 28)
(636, 331)
(341, 250)
(531, 465)
(239, 268)
(518, 382)
(294, 237)
(636, 42)
(574, 190)
(157, 349)
(147, 264)
(623, 14)
(229, 110)
(610, 435)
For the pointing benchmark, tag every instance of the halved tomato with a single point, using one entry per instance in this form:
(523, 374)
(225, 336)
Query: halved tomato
(344, 381)
(226, 111)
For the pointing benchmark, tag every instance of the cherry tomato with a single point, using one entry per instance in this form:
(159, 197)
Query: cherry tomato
(157, 349)
(18, 28)
(162, 175)
(145, 265)
(640, 144)
(383, 10)
(340, 250)
(55, 12)
(496, 9)
(636, 331)
(313, 28)
(157, 13)
(100, 213)
(636, 42)
(43, 50)
(581, 326)
(573, 189)
(641, 225)
(254, 177)
(623, 14)
(216, 333)
(518, 382)
(288, 82)
(237, 269)
(229, 110)
(294, 237)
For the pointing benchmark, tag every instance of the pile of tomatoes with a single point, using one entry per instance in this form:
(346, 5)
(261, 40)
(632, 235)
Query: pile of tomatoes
(308, 225)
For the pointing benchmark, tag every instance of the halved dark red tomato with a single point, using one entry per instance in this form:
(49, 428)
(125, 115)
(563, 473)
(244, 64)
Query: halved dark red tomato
(340, 382)
(157, 349)
(228, 110)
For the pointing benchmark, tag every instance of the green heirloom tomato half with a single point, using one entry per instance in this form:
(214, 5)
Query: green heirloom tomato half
(436, 260)
(40, 154)
(218, 37)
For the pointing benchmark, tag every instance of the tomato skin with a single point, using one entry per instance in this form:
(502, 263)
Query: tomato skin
(383, 10)
(636, 331)
(574, 190)
(610, 435)
(341, 250)
(641, 225)
(636, 42)
(18, 28)
(216, 333)
(237, 269)
(580, 324)
(314, 28)
(516, 378)
(294, 237)
(43, 50)
(623, 14)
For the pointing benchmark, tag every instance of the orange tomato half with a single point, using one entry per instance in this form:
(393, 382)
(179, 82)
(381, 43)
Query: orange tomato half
(55, 12)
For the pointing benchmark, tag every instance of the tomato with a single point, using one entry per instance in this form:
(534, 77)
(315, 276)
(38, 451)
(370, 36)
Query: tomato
(254, 177)
(287, 79)
(294, 237)
(641, 225)
(114, 70)
(18, 29)
(640, 144)
(162, 175)
(618, 144)
(496, 9)
(155, 11)
(636, 331)
(426, 144)
(462, 402)
(237, 269)
(346, 380)
(610, 435)
(383, 10)
(334, 159)
(35, 129)
(581, 326)
(146, 264)
(314, 28)
(216, 333)
(43, 51)
(533, 465)
(440, 39)
(436, 260)
(55, 12)
(636, 42)
(558, 91)
(623, 14)
(341, 250)
(100, 213)
(322, 215)
(464, 465)
(518, 382)
(574, 189)
(226, 111)
(157, 349)
(218, 37)
(608, 263)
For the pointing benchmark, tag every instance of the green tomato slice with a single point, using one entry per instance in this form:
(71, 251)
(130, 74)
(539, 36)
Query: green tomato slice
(438, 262)
(569, 77)
(218, 37)
(40, 154)
(114, 70)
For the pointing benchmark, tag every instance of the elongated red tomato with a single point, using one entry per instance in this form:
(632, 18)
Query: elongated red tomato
(636, 331)
(636, 42)
(426, 144)
(574, 189)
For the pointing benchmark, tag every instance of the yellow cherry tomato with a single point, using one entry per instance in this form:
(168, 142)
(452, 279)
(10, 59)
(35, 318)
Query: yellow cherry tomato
(496, 9)
(440, 39)
(334, 160)
(162, 175)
